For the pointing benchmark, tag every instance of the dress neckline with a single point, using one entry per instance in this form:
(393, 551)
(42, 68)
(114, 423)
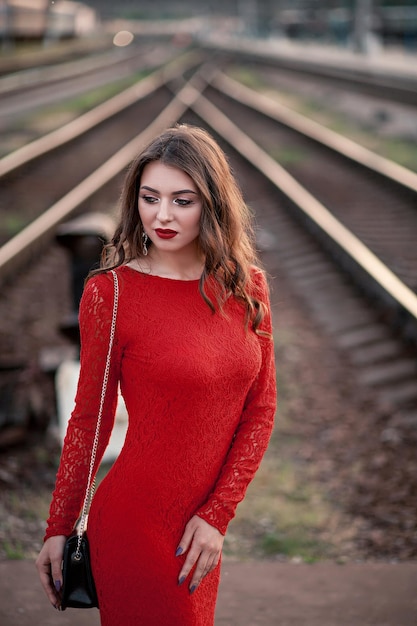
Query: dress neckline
(173, 280)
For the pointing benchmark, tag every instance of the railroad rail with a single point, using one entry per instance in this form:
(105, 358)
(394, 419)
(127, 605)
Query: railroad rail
(349, 247)
(24, 91)
(385, 280)
(386, 81)
(45, 144)
(317, 132)
(39, 76)
(385, 365)
(15, 251)
(61, 52)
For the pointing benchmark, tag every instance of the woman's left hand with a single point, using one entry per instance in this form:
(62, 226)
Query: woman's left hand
(204, 545)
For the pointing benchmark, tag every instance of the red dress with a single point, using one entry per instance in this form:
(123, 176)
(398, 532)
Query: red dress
(200, 394)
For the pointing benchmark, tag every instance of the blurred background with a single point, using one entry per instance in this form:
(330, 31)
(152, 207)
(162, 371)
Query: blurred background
(362, 24)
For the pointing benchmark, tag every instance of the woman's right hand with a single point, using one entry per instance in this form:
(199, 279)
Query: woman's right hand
(49, 566)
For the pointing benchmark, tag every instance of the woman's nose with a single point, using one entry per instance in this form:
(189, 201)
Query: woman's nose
(164, 212)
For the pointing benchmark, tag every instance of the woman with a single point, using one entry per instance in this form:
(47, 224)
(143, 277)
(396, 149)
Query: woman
(194, 358)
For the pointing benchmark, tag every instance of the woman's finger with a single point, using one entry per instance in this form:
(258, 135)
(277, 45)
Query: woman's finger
(192, 557)
(202, 569)
(44, 571)
(204, 543)
(48, 565)
(186, 540)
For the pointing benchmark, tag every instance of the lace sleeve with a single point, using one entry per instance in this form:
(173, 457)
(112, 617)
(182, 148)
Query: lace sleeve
(95, 320)
(251, 437)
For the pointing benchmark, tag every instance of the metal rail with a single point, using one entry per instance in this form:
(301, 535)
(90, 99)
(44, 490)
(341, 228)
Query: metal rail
(99, 114)
(318, 133)
(24, 244)
(189, 96)
(387, 81)
(381, 276)
(40, 76)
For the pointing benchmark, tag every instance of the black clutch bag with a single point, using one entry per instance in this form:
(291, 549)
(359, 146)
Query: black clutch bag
(78, 590)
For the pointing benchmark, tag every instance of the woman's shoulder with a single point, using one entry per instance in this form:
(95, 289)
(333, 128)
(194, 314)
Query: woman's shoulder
(102, 283)
(99, 286)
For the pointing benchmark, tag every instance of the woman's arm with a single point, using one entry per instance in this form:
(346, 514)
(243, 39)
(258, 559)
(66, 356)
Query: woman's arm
(252, 435)
(95, 320)
(204, 534)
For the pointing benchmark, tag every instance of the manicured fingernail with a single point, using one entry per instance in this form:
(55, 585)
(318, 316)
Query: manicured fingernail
(58, 585)
(54, 605)
(193, 588)
(179, 551)
(181, 580)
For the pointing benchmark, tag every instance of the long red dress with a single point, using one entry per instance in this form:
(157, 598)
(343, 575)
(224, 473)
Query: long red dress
(200, 394)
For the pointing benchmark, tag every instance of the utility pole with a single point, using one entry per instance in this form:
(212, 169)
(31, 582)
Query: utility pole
(361, 25)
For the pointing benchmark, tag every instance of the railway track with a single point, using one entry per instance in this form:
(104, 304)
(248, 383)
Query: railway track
(386, 81)
(360, 206)
(22, 92)
(98, 135)
(385, 355)
(350, 280)
(372, 196)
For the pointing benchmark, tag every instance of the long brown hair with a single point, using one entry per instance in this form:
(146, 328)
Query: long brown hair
(226, 235)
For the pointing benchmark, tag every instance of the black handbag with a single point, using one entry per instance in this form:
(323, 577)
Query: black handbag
(78, 589)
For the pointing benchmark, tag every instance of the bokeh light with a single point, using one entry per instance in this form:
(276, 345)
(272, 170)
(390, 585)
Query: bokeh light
(123, 38)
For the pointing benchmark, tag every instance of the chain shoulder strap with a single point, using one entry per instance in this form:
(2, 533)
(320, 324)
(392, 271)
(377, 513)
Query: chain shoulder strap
(89, 492)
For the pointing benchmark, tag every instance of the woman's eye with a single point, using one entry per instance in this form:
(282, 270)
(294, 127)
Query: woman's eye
(149, 199)
(182, 201)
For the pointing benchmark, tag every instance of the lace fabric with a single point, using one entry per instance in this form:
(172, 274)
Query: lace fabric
(71, 481)
(201, 397)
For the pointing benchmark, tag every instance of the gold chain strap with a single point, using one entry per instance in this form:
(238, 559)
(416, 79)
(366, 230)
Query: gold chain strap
(91, 483)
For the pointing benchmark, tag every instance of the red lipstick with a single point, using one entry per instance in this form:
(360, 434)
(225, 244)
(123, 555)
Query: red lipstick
(165, 233)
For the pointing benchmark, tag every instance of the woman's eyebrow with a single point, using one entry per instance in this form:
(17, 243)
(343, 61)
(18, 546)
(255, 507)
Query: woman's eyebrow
(174, 193)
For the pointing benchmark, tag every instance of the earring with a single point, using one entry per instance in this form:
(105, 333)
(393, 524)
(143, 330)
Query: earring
(144, 242)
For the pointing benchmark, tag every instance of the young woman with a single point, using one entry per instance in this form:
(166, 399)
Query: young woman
(194, 358)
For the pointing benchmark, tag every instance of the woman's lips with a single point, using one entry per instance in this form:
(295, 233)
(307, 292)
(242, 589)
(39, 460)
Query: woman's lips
(166, 233)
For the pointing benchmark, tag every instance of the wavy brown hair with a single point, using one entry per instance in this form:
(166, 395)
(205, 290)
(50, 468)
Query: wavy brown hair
(226, 234)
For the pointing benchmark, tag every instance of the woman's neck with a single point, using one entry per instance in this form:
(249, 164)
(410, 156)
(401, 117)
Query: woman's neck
(176, 266)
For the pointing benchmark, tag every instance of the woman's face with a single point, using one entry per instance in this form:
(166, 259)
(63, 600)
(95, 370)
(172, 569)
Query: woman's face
(169, 207)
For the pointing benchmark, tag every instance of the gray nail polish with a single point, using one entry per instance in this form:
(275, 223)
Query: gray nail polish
(58, 585)
(181, 580)
(193, 588)
(179, 551)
